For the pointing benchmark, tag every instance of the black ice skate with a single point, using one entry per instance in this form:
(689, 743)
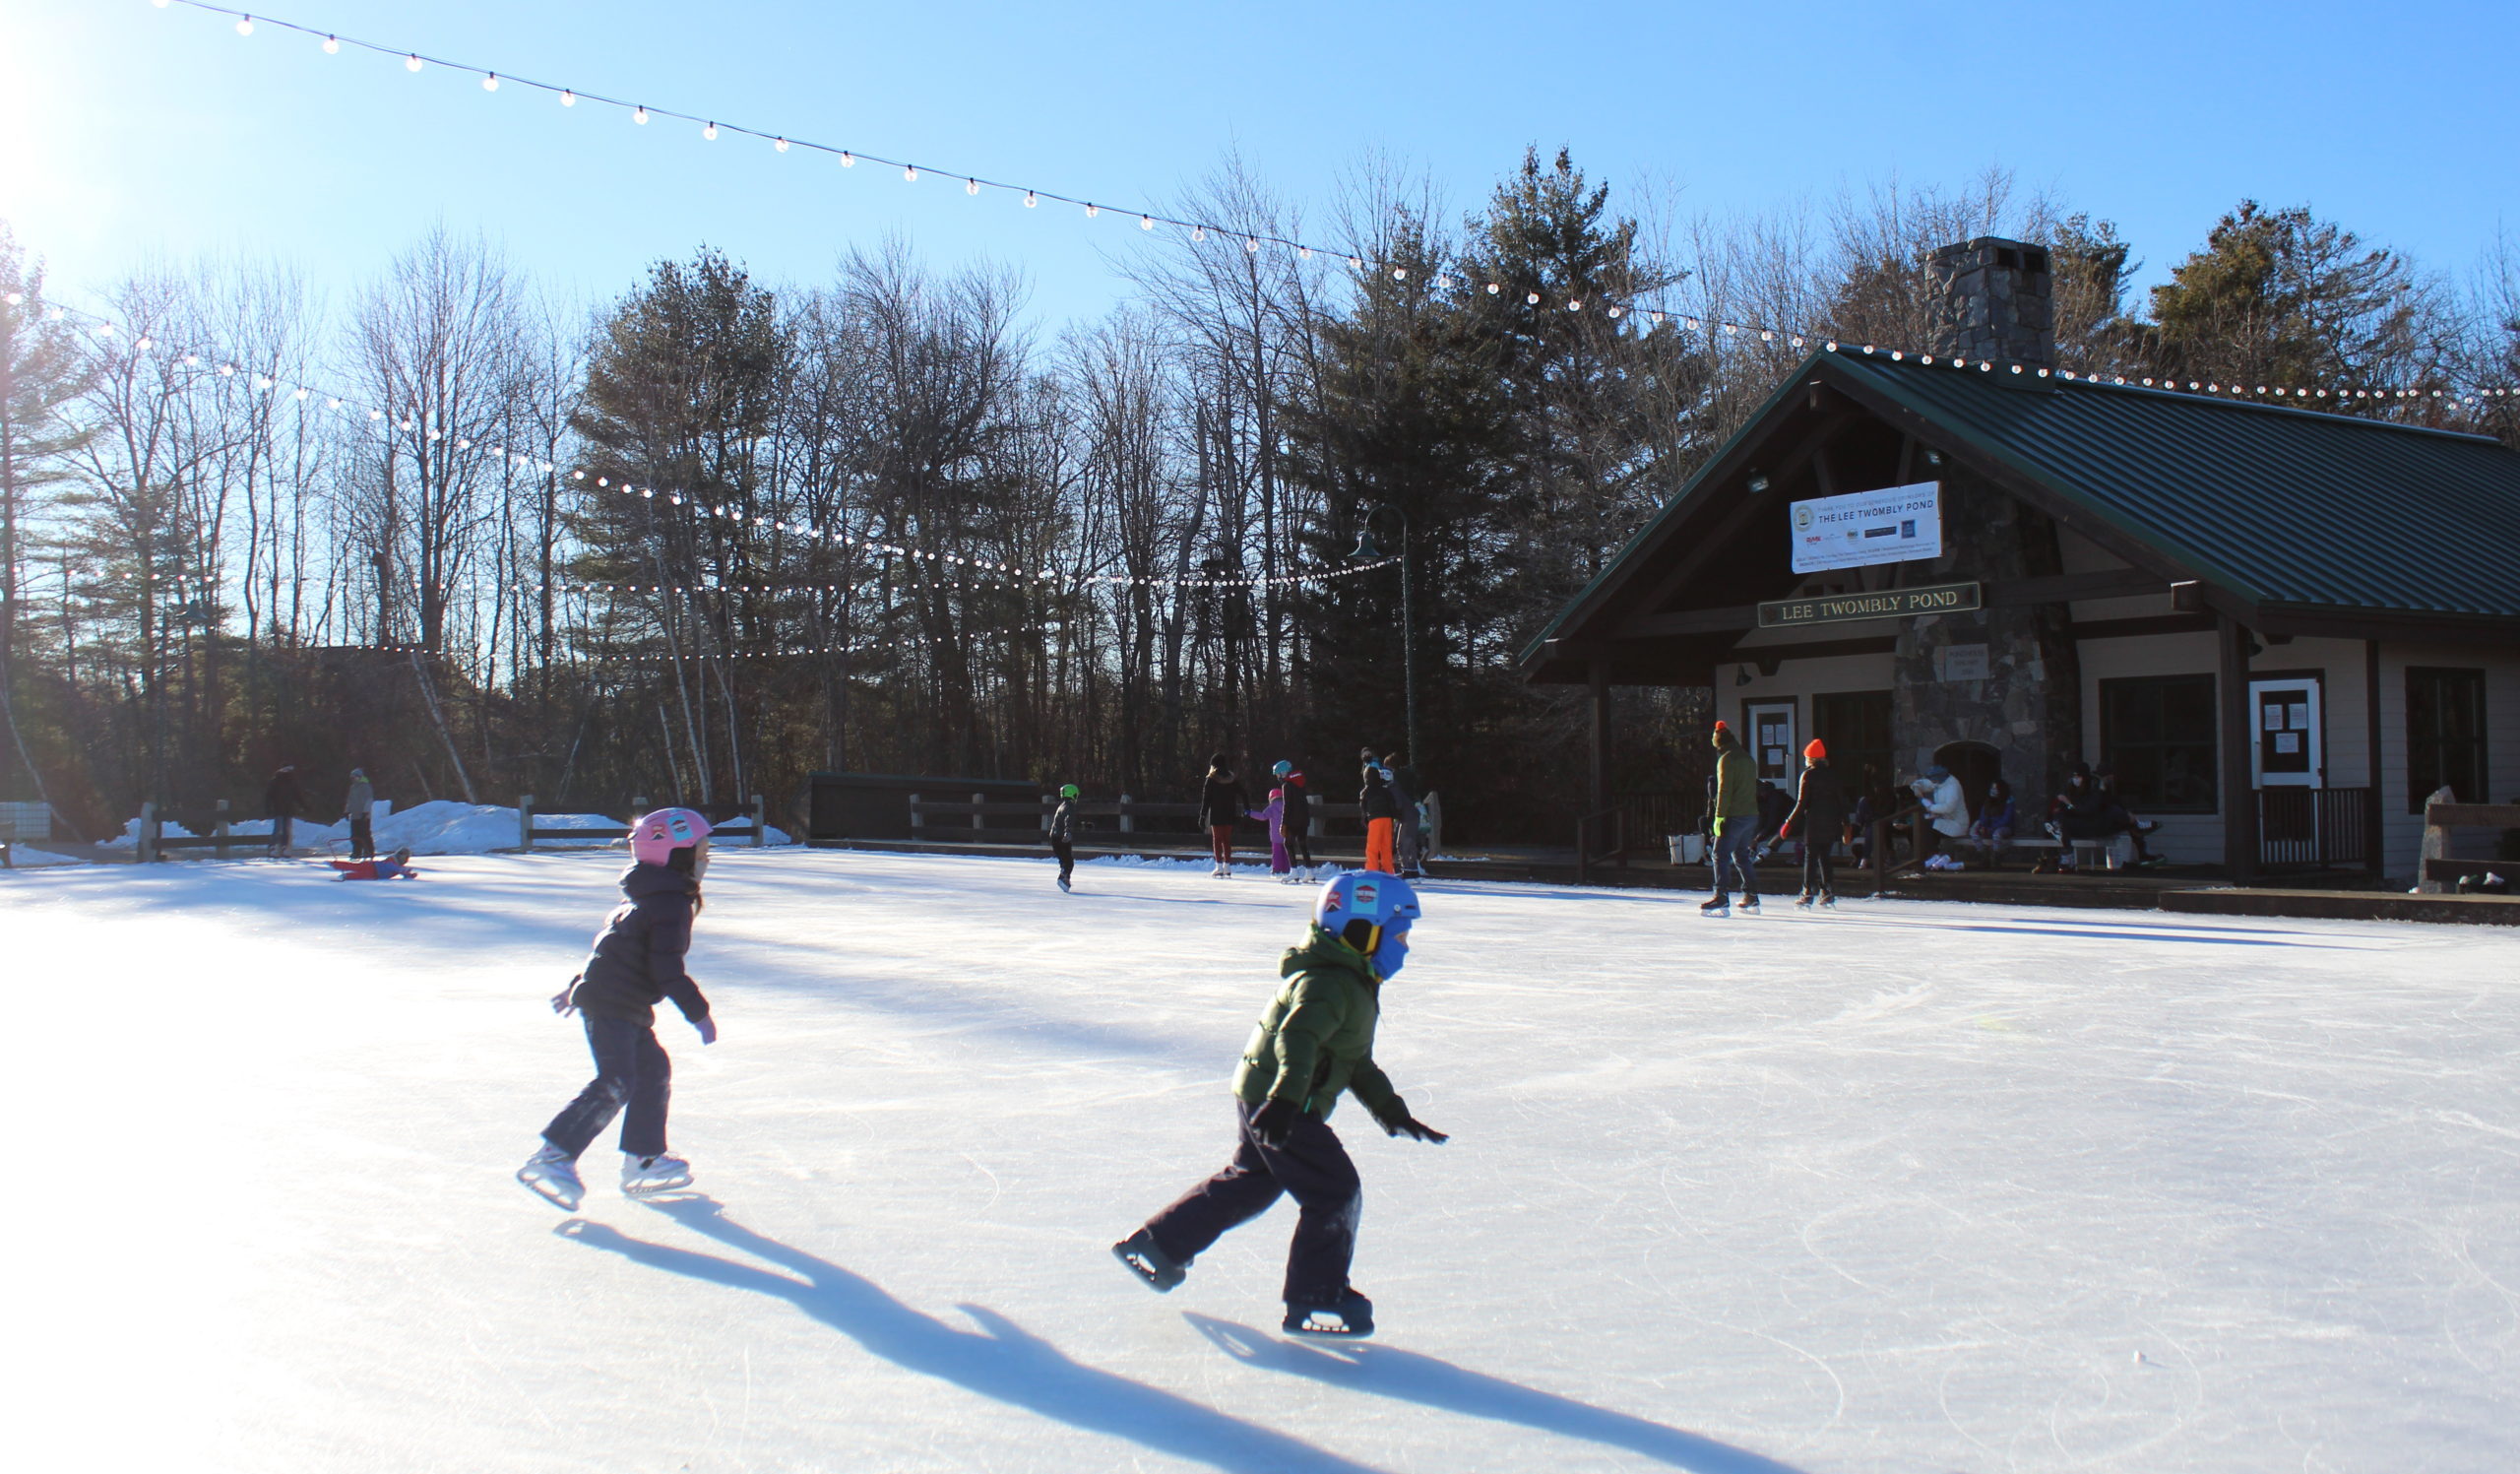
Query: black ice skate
(1159, 1271)
(1353, 1318)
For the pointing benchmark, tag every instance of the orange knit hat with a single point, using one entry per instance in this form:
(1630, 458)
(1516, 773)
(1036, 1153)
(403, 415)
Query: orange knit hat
(1812, 751)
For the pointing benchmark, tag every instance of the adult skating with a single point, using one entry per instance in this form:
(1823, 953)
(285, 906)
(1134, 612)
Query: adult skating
(637, 963)
(1315, 1041)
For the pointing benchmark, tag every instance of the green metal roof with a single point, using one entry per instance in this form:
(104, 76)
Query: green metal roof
(2284, 506)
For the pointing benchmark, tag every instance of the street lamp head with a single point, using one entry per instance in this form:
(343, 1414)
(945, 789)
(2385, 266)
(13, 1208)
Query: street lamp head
(1367, 551)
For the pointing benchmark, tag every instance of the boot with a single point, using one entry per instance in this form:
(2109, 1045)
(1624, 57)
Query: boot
(1351, 1316)
(1160, 1271)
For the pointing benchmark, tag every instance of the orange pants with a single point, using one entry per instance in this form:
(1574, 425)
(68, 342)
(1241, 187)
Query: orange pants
(1379, 835)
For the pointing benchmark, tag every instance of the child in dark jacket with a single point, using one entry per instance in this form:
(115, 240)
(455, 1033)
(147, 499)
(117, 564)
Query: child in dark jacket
(1063, 834)
(637, 963)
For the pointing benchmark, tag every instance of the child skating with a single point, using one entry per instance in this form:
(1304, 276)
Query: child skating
(1295, 822)
(1315, 1041)
(1275, 816)
(637, 963)
(1063, 833)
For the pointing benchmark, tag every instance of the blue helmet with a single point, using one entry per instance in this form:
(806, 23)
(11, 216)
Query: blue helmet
(1282, 768)
(1371, 911)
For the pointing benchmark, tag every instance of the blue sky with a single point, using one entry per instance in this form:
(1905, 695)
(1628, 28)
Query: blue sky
(131, 133)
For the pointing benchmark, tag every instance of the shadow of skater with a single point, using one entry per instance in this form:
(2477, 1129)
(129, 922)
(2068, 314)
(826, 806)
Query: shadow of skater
(1001, 1360)
(1363, 1367)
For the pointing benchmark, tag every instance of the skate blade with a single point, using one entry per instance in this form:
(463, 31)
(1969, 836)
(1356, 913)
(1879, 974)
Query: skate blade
(656, 1189)
(1146, 1273)
(553, 1191)
(1313, 1331)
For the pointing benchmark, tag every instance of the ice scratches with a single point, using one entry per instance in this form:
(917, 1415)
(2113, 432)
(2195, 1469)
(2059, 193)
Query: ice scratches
(1883, 1004)
(2026, 1401)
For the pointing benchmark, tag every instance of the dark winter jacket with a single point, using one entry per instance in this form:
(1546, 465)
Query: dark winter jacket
(1317, 1037)
(1063, 823)
(1819, 806)
(1737, 782)
(1375, 797)
(1405, 788)
(282, 797)
(638, 955)
(1223, 803)
(1774, 808)
(1298, 819)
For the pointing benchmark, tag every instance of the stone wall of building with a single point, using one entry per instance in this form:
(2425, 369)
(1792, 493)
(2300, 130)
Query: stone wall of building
(1994, 299)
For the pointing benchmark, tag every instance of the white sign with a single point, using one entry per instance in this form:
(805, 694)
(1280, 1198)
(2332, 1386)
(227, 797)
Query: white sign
(1861, 528)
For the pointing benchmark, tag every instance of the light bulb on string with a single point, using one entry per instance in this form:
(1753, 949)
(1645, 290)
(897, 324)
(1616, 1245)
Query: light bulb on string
(490, 82)
(639, 114)
(780, 144)
(709, 131)
(909, 173)
(411, 63)
(1198, 233)
(245, 26)
(1091, 211)
(1531, 298)
(1032, 200)
(971, 186)
(848, 161)
(332, 46)
(568, 99)
(1146, 223)
(1493, 289)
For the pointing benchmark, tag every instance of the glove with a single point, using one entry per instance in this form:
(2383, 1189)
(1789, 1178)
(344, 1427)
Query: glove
(1785, 831)
(1395, 1120)
(563, 1003)
(1275, 1122)
(707, 1024)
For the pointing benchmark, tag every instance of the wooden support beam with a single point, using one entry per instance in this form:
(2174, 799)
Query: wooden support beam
(2123, 629)
(1599, 676)
(2240, 795)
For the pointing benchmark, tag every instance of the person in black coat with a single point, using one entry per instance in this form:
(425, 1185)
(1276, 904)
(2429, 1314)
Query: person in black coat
(1819, 815)
(283, 798)
(637, 963)
(1221, 804)
(1295, 823)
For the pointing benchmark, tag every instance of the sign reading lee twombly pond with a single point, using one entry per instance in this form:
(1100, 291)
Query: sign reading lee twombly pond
(1890, 525)
(1889, 603)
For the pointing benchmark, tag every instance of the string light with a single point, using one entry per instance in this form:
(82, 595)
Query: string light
(411, 63)
(639, 115)
(332, 43)
(909, 173)
(780, 144)
(245, 26)
(490, 83)
(710, 133)
(568, 99)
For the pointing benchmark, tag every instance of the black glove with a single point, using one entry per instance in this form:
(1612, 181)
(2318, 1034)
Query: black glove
(1395, 1120)
(1273, 1121)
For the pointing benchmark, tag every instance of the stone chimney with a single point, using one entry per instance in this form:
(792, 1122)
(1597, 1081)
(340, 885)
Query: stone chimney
(1994, 299)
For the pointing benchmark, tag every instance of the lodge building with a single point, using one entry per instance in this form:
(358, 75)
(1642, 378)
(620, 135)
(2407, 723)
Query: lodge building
(2281, 629)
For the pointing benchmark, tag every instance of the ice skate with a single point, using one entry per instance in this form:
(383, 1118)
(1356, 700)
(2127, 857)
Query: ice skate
(1828, 901)
(1159, 1269)
(1719, 905)
(553, 1173)
(1064, 885)
(1750, 903)
(645, 1177)
(1352, 1318)
(1803, 901)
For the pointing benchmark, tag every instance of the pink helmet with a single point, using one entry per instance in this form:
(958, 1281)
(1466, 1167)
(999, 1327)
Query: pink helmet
(654, 839)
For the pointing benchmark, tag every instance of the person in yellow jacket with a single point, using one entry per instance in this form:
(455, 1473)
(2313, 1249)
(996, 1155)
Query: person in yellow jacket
(1315, 1042)
(1736, 824)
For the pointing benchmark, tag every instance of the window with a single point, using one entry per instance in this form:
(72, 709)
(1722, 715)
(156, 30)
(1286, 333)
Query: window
(2444, 734)
(2156, 734)
(1854, 725)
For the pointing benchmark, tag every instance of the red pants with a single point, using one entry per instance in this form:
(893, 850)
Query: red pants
(1379, 837)
(1221, 842)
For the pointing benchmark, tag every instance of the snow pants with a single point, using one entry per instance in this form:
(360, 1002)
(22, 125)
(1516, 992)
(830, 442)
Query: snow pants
(1412, 840)
(1220, 843)
(1379, 835)
(362, 836)
(1315, 1168)
(1279, 862)
(631, 1069)
(1734, 843)
(1067, 852)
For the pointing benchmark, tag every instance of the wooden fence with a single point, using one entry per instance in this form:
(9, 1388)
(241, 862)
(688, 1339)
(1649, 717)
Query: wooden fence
(2441, 814)
(967, 820)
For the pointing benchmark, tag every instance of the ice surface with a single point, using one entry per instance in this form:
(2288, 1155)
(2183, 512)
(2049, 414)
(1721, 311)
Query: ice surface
(1913, 1188)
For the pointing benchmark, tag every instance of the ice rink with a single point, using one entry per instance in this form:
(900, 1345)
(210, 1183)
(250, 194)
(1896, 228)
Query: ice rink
(1910, 1187)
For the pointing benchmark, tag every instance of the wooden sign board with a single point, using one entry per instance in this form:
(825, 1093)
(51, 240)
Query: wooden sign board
(1889, 603)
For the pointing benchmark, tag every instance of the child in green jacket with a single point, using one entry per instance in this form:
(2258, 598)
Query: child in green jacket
(1314, 1042)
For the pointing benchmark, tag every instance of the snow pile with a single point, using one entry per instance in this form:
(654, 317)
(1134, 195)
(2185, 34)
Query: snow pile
(443, 826)
(130, 836)
(25, 858)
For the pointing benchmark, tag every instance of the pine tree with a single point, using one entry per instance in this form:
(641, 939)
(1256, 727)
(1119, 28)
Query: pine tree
(40, 377)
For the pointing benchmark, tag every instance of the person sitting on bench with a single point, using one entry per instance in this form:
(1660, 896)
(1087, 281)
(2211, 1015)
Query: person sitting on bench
(1994, 828)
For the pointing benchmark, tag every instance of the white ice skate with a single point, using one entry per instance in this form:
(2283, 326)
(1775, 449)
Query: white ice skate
(645, 1177)
(553, 1173)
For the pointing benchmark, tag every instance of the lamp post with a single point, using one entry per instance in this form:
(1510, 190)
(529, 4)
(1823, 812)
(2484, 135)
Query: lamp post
(1369, 552)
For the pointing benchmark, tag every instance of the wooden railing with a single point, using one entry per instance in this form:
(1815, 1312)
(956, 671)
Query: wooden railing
(2315, 828)
(967, 820)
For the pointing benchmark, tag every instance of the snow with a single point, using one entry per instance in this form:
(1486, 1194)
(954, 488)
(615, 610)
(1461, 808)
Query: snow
(441, 826)
(1910, 1188)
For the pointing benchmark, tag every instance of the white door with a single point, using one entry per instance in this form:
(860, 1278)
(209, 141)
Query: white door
(1772, 748)
(2288, 752)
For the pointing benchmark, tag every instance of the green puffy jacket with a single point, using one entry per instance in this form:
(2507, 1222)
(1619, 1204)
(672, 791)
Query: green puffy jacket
(1317, 1037)
(1736, 781)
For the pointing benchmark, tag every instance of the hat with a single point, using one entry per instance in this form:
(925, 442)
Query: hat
(359, 773)
(1216, 759)
(1067, 791)
(1723, 727)
(1938, 772)
(1812, 751)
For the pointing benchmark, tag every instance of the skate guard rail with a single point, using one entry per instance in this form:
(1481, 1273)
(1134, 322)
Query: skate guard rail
(528, 833)
(949, 820)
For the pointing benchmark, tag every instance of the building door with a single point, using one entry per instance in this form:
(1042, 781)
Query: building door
(1854, 725)
(1772, 747)
(2289, 752)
